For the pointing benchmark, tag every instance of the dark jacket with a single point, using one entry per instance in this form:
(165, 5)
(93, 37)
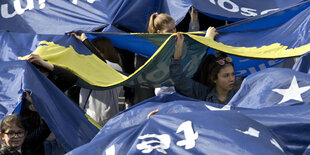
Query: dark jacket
(33, 144)
(6, 150)
(62, 78)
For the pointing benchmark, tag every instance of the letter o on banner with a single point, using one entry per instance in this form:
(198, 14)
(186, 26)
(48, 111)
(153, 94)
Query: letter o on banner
(234, 7)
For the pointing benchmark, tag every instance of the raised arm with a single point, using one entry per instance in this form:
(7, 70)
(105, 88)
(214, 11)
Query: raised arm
(36, 59)
(83, 38)
(194, 22)
(179, 40)
(183, 84)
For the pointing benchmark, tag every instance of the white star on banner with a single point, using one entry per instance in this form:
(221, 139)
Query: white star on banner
(293, 92)
(251, 131)
(226, 107)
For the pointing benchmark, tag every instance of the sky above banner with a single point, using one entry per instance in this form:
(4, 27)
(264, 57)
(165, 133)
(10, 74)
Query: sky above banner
(58, 17)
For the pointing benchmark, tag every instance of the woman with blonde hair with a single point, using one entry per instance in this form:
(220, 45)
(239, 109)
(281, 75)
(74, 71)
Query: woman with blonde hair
(161, 23)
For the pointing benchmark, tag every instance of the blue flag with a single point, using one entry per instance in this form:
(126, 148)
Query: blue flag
(289, 123)
(307, 151)
(303, 64)
(273, 87)
(64, 118)
(58, 17)
(182, 126)
(67, 121)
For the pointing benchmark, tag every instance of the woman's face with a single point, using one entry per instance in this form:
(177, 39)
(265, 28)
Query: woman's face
(225, 78)
(169, 28)
(14, 136)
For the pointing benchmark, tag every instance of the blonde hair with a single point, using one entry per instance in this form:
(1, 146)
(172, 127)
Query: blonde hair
(158, 22)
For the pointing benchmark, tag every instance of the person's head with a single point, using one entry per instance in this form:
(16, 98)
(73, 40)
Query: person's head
(218, 72)
(12, 131)
(161, 23)
(106, 49)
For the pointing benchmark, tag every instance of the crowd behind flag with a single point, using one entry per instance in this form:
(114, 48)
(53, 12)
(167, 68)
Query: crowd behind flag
(269, 116)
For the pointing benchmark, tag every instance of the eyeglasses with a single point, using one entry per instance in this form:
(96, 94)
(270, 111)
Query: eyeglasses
(18, 134)
(222, 61)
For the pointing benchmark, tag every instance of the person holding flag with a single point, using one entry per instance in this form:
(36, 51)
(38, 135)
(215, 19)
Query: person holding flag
(217, 75)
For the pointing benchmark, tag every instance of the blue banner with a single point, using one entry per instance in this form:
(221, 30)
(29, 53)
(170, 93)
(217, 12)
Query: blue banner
(303, 64)
(182, 126)
(273, 87)
(58, 17)
(69, 123)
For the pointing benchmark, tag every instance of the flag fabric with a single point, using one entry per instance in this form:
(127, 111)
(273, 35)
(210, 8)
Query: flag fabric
(58, 17)
(284, 31)
(258, 99)
(303, 64)
(307, 151)
(274, 39)
(95, 74)
(273, 87)
(234, 10)
(65, 119)
(182, 126)
(160, 48)
(10, 87)
(289, 123)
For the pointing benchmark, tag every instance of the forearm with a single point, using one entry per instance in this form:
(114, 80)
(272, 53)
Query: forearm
(183, 84)
(193, 26)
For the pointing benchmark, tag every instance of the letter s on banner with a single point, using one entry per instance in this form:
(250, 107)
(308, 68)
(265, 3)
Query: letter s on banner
(248, 12)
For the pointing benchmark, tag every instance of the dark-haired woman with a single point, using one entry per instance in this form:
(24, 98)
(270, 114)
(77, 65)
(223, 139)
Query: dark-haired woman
(217, 75)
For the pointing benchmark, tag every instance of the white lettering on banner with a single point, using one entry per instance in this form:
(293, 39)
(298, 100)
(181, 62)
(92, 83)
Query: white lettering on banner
(230, 6)
(5, 11)
(89, 1)
(189, 134)
(274, 62)
(158, 142)
(110, 150)
(244, 60)
(30, 5)
(18, 7)
(252, 70)
(213, 2)
(248, 12)
(269, 10)
(251, 131)
(240, 72)
(234, 7)
(262, 66)
(41, 4)
(269, 63)
(275, 143)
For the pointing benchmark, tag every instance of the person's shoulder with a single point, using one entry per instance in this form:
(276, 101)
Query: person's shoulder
(5, 150)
